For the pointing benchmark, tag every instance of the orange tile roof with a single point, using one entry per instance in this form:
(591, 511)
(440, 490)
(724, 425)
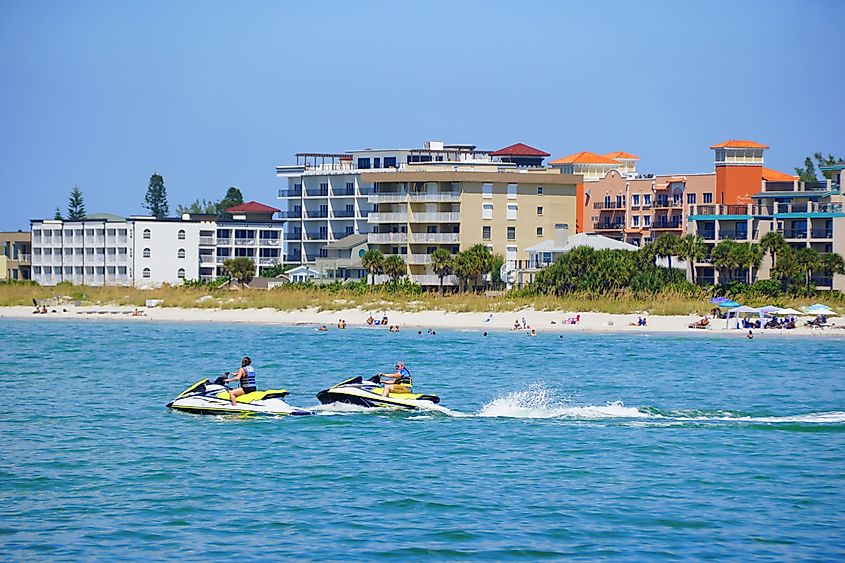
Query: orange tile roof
(736, 144)
(622, 155)
(671, 179)
(774, 176)
(584, 157)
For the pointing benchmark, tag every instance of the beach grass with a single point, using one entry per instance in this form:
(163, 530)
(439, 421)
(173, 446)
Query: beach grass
(289, 298)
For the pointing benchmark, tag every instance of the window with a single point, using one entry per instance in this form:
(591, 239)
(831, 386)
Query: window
(539, 190)
(635, 200)
(646, 199)
(363, 163)
(180, 273)
(146, 233)
(390, 162)
(487, 191)
(181, 234)
(511, 191)
(647, 220)
(539, 231)
(487, 211)
(512, 211)
(377, 162)
(540, 210)
(180, 253)
(635, 221)
(690, 198)
(485, 232)
(146, 273)
(708, 198)
(146, 253)
(511, 233)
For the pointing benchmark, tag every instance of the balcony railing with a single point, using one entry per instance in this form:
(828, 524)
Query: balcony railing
(387, 197)
(436, 217)
(432, 279)
(317, 235)
(297, 235)
(290, 193)
(244, 242)
(821, 233)
(268, 242)
(435, 197)
(612, 205)
(707, 235)
(418, 259)
(733, 235)
(343, 191)
(666, 225)
(206, 241)
(388, 218)
(316, 192)
(608, 226)
(382, 238)
(224, 242)
(268, 260)
(343, 214)
(24, 257)
(435, 237)
(290, 214)
(320, 214)
(668, 204)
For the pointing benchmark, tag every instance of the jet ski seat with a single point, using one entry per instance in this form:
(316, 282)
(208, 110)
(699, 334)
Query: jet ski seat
(255, 395)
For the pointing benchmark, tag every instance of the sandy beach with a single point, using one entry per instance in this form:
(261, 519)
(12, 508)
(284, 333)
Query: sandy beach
(541, 321)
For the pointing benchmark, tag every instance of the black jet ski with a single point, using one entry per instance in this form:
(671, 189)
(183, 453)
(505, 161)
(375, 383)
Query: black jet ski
(204, 397)
(370, 393)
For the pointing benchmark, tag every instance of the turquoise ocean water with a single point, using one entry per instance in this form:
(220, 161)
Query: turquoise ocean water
(624, 447)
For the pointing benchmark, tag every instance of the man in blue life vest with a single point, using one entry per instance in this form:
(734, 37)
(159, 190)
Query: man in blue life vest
(399, 381)
(246, 377)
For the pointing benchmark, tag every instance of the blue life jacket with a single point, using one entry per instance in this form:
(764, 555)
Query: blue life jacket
(248, 380)
(405, 377)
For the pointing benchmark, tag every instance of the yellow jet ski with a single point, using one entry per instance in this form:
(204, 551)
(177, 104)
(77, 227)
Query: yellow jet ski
(370, 393)
(204, 397)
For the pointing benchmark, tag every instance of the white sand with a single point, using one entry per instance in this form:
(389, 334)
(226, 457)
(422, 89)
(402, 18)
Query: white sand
(541, 321)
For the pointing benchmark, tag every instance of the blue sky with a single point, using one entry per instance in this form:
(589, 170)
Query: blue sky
(214, 94)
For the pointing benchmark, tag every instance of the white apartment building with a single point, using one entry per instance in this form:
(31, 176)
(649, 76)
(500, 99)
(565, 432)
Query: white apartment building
(325, 199)
(146, 252)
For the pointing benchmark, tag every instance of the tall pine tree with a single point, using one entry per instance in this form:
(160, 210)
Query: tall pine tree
(232, 198)
(75, 206)
(58, 214)
(156, 199)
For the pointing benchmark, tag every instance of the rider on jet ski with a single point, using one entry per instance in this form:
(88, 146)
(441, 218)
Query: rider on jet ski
(400, 381)
(246, 376)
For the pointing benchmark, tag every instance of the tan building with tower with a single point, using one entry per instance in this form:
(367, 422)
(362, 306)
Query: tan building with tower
(426, 207)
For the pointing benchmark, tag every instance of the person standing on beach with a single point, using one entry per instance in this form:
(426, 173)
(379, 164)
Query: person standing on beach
(246, 376)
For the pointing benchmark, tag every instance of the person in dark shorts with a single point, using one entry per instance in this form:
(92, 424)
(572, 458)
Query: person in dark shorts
(246, 377)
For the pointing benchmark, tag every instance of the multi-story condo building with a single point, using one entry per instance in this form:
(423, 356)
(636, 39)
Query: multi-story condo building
(807, 214)
(16, 250)
(441, 196)
(148, 252)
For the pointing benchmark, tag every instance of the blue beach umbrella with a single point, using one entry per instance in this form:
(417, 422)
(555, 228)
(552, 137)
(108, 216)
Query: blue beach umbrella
(718, 300)
(728, 304)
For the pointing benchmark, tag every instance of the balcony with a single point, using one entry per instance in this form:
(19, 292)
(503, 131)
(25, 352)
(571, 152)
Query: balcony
(420, 259)
(316, 192)
(733, 235)
(343, 214)
(294, 236)
(434, 197)
(387, 197)
(668, 225)
(341, 192)
(290, 214)
(436, 217)
(665, 204)
(224, 242)
(244, 242)
(316, 214)
(207, 259)
(268, 260)
(24, 257)
(316, 235)
(435, 237)
(794, 233)
(609, 226)
(207, 241)
(387, 238)
(221, 259)
(290, 193)
(388, 218)
(822, 233)
(609, 205)
(268, 242)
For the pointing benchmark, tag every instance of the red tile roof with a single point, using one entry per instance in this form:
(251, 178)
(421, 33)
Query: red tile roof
(585, 157)
(774, 176)
(619, 155)
(737, 144)
(251, 207)
(519, 149)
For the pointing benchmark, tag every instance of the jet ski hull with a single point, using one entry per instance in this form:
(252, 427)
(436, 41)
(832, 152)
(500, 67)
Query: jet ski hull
(213, 398)
(357, 392)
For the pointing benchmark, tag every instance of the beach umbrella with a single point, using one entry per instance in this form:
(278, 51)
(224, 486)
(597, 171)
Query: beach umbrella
(728, 304)
(718, 300)
(787, 311)
(745, 309)
(769, 309)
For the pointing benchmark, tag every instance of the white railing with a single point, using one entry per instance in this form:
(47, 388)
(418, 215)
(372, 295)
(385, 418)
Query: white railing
(418, 259)
(387, 198)
(436, 217)
(207, 259)
(435, 237)
(435, 197)
(244, 241)
(378, 238)
(431, 279)
(269, 242)
(268, 260)
(388, 218)
(24, 257)
(207, 240)
(224, 242)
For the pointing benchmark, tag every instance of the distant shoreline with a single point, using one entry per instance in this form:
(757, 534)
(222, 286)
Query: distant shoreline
(541, 321)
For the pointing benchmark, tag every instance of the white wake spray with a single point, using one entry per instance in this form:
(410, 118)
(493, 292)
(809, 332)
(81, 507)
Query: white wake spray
(540, 401)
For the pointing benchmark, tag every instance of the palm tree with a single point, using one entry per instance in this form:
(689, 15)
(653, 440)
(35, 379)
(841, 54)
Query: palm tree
(773, 243)
(808, 260)
(832, 264)
(394, 266)
(749, 255)
(482, 260)
(692, 249)
(441, 263)
(463, 268)
(665, 247)
(373, 262)
(724, 257)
